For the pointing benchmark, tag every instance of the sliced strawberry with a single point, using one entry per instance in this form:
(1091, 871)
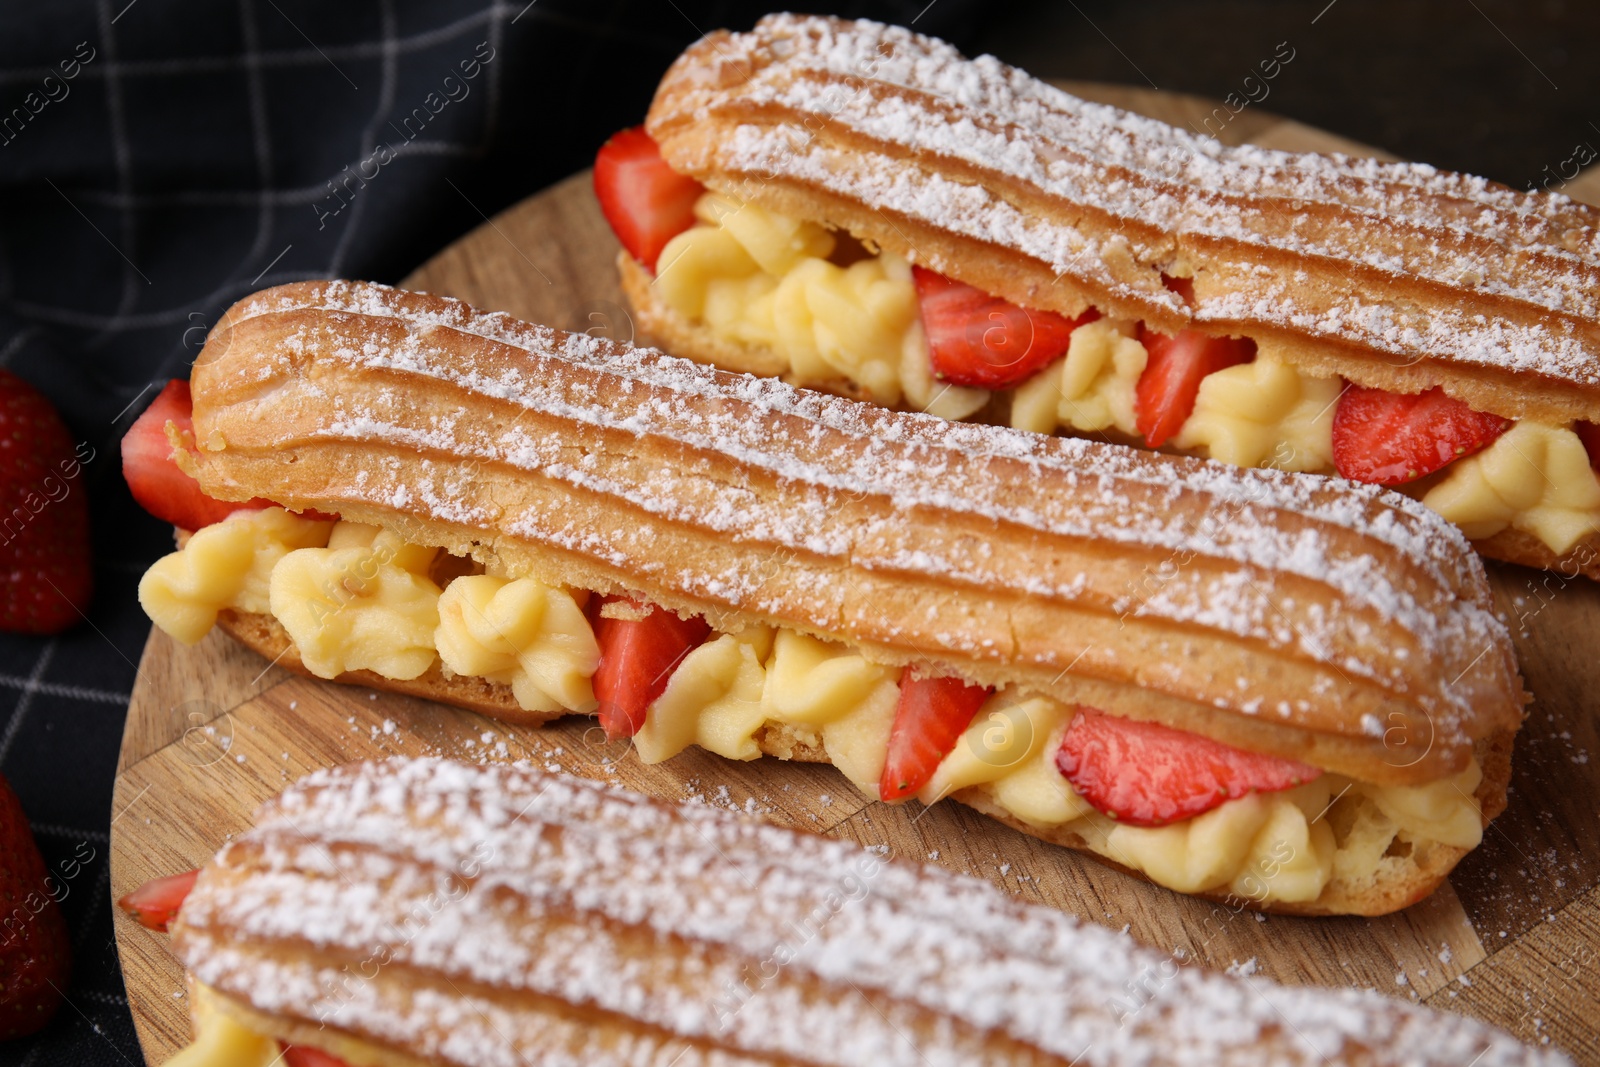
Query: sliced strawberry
(1589, 434)
(647, 202)
(157, 484)
(156, 903)
(1146, 774)
(981, 341)
(306, 1056)
(1164, 398)
(1390, 438)
(928, 722)
(637, 657)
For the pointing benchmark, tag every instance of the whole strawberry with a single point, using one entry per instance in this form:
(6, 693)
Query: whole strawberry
(45, 572)
(35, 953)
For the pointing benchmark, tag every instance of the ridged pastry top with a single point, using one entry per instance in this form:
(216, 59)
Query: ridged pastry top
(483, 914)
(1305, 612)
(1429, 276)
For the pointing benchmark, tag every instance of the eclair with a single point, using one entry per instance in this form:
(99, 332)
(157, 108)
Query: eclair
(1248, 684)
(855, 207)
(428, 911)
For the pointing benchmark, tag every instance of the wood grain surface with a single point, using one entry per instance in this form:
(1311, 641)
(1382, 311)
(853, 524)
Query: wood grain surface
(1513, 938)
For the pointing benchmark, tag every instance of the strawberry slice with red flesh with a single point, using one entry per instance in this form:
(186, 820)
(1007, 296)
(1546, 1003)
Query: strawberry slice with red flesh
(984, 342)
(1391, 438)
(928, 721)
(1146, 774)
(155, 904)
(1589, 434)
(306, 1056)
(1164, 397)
(637, 658)
(159, 486)
(646, 202)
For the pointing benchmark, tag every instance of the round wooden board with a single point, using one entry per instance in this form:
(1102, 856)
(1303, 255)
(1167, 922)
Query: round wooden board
(1514, 938)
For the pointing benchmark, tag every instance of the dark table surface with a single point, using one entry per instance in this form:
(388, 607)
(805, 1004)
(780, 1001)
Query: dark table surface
(188, 161)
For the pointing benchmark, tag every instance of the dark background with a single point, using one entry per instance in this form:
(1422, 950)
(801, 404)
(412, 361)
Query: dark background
(189, 165)
(1501, 88)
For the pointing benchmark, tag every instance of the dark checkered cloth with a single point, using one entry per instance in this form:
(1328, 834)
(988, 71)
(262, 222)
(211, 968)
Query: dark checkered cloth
(161, 159)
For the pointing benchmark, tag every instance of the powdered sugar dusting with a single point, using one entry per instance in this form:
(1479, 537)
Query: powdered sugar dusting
(981, 150)
(1410, 590)
(489, 885)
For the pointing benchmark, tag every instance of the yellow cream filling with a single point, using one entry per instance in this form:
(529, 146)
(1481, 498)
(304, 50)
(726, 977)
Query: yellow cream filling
(758, 278)
(726, 690)
(226, 564)
(1089, 389)
(522, 633)
(221, 1041)
(1263, 413)
(1533, 478)
(357, 597)
(714, 699)
(365, 602)
(1263, 847)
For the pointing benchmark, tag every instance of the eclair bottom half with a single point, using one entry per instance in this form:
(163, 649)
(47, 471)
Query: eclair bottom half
(355, 604)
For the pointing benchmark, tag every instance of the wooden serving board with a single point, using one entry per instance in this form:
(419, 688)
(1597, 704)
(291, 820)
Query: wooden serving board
(1513, 938)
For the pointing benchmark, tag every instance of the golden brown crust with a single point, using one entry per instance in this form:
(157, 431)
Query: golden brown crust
(495, 916)
(564, 458)
(1512, 392)
(1494, 758)
(265, 636)
(1404, 880)
(1520, 547)
(660, 325)
(1392, 276)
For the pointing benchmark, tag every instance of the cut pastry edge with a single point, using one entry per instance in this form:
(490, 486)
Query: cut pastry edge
(266, 637)
(1524, 549)
(1361, 752)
